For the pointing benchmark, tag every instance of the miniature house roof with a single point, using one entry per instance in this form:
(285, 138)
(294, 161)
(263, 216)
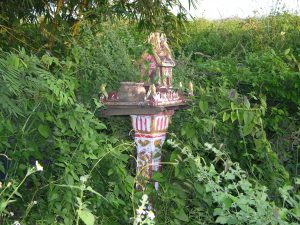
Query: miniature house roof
(161, 50)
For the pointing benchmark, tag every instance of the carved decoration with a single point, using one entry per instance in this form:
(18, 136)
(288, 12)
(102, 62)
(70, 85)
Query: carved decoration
(150, 134)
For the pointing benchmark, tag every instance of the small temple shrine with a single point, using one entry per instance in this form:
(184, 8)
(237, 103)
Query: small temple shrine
(150, 105)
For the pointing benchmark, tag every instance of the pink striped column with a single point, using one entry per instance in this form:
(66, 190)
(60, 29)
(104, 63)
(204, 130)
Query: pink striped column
(150, 134)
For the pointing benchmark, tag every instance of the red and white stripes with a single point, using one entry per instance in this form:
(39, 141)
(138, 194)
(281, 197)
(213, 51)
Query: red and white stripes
(161, 123)
(150, 124)
(141, 123)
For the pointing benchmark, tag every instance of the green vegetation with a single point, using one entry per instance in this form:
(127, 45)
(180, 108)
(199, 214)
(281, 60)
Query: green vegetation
(231, 158)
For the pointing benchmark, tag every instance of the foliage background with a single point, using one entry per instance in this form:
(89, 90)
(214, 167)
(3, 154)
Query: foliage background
(231, 158)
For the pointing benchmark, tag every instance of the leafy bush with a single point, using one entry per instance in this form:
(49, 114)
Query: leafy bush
(255, 57)
(246, 79)
(200, 193)
(46, 123)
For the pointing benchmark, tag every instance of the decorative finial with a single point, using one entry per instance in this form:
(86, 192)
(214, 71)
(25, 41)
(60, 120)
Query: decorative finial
(102, 91)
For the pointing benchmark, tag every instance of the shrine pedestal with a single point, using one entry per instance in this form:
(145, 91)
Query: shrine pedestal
(150, 134)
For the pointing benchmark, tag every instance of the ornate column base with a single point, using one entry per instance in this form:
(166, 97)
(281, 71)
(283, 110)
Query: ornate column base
(150, 134)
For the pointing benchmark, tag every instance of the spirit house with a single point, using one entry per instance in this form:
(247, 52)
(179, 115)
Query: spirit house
(150, 106)
(160, 60)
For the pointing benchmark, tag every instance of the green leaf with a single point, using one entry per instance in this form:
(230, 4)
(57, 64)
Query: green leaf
(9, 126)
(218, 211)
(86, 216)
(287, 51)
(72, 123)
(53, 196)
(199, 188)
(225, 116)
(18, 194)
(196, 118)
(203, 105)
(181, 215)
(245, 185)
(189, 131)
(232, 220)
(246, 102)
(229, 176)
(233, 116)
(227, 202)
(174, 156)
(47, 60)
(75, 54)
(44, 130)
(221, 220)
(157, 176)
(239, 115)
(232, 106)
(3, 205)
(247, 129)
(13, 61)
(208, 199)
(248, 117)
(209, 124)
(296, 211)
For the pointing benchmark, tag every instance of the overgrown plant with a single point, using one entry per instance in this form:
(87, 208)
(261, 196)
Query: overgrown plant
(245, 74)
(224, 188)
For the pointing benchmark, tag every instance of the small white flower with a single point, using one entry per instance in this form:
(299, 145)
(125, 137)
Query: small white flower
(84, 178)
(282, 33)
(17, 223)
(11, 214)
(140, 211)
(151, 215)
(34, 202)
(0, 184)
(38, 166)
(9, 184)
